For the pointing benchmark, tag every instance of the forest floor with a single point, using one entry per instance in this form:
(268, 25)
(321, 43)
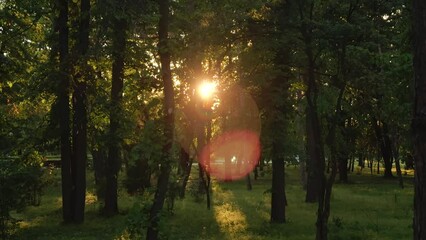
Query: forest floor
(369, 207)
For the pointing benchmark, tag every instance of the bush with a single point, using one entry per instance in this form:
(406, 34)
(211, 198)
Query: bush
(21, 182)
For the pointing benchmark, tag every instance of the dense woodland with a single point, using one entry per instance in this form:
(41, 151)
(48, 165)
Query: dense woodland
(105, 95)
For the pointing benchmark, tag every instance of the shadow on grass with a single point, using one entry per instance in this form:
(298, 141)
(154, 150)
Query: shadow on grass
(50, 226)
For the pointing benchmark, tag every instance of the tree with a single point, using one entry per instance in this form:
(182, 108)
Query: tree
(168, 111)
(279, 94)
(79, 131)
(73, 146)
(419, 119)
(64, 115)
(113, 162)
(314, 142)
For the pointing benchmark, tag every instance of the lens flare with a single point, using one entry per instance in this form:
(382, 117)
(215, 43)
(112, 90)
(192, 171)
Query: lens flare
(231, 155)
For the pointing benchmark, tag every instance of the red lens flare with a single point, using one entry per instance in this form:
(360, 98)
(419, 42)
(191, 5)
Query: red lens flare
(231, 155)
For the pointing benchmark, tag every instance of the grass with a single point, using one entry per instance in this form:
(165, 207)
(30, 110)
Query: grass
(369, 207)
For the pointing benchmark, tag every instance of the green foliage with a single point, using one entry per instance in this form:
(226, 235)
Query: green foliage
(138, 219)
(144, 157)
(21, 184)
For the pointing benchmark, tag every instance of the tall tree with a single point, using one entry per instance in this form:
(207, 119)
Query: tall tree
(119, 24)
(279, 98)
(419, 118)
(79, 131)
(314, 143)
(168, 111)
(73, 141)
(64, 106)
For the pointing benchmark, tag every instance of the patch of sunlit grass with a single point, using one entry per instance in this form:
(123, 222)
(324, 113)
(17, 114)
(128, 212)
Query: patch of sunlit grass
(90, 198)
(230, 219)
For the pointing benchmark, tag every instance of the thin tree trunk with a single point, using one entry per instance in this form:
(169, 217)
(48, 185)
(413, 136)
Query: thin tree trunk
(303, 173)
(115, 142)
(313, 129)
(385, 147)
(395, 151)
(419, 119)
(343, 168)
(186, 166)
(248, 180)
(387, 154)
(398, 171)
(326, 185)
(361, 162)
(99, 160)
(168, 109)
(378, 164)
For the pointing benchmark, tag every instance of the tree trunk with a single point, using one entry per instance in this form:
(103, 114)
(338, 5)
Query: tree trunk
(248, 180)
(114, 157)
(361, 161)
(387, 153)
(324, 203)
(385, 147)
(278, 199)
(398, 168)
(378, 164)
(80, 116)
(64, 106)
(186, 166)
(395, 151)
(168, 109)
(419, 119)
(314, 152)
(343, 169)
(79, 151)
(302, 167)
(313, 128)
(99, 160)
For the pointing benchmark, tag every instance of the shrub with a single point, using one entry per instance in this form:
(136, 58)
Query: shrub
(21, 182)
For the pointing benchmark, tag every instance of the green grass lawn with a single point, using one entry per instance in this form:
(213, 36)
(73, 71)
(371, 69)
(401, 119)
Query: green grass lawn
(370, 207)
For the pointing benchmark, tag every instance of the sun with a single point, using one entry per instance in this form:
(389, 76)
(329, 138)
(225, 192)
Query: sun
(207, 89)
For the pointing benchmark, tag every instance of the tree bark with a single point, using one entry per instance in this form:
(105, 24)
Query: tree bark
(79, 152)
(419, 119)
(326, 185)
(99, 160)
(186, 166)
(115, 141)
(314, 147)
(278, 198)
(313, 128)
(168, 109)
(248, 181)
(80, 116)
(64, 106)
(343, 169)
(277, 114)
(385, 146)
(395, 151)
